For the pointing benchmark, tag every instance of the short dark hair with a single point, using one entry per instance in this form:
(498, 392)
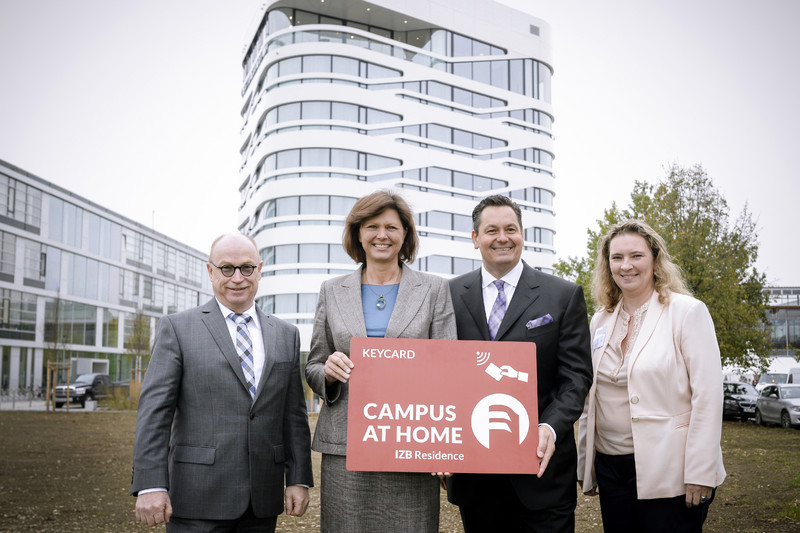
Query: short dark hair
(495, 200)
(371, 206)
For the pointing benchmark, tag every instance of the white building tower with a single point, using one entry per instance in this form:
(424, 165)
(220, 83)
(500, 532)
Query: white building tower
(445, 101)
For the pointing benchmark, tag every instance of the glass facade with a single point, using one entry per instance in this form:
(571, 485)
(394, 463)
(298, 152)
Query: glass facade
(526, 76)
(69, 283)
(348, 107)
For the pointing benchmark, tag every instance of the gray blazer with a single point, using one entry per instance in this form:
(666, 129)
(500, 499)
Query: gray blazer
(423, 310)
(200, 434)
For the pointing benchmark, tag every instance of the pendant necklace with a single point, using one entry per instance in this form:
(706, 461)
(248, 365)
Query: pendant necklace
(380, 303)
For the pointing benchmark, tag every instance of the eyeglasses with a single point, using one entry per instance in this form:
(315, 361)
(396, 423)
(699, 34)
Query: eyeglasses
(229, 270)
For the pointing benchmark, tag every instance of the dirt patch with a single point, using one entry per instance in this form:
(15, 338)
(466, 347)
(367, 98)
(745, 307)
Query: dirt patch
(64, 472)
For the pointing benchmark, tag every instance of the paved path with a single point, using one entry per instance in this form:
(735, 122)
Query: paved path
(21, 404)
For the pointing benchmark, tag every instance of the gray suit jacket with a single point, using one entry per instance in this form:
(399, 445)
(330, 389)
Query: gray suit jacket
(201, 435)
(423, 310)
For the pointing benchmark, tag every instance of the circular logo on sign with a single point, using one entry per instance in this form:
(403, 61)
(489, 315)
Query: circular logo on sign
(493, 414)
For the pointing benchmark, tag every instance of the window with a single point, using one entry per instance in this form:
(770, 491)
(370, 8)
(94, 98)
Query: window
(316, 110)
(8, 255)
(345, 65)
(540, 235)
(17, 315)
(377, 162)
(379, 71)
(166, 259)
(190, 268)
(317, 63)
(313, 253)
(129, 287)
(313, 205)
(66, 222)
(288, 206)
(344, 158)
(293, 65)
(52, 280)
(35, 260)
(105, 237)
(306, 303)
(288, 159)
(87, 278)
(315, 157)
(138, 248)
(110, 328)
(286, 254)
(153, 294)
(289, 303)
(20, 203)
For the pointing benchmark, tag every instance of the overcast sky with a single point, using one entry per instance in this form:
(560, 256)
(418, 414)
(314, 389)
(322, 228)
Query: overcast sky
(135, 106)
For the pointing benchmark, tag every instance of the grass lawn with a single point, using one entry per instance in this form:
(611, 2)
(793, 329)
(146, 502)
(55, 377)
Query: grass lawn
(64, 472)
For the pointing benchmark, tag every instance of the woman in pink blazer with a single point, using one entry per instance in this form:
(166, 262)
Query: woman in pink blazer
(649, 436)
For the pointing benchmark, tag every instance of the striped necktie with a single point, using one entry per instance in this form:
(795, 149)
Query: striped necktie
(244, 346)
(498, 309)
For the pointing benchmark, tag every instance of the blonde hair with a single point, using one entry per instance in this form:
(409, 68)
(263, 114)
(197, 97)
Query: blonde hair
(666, 274)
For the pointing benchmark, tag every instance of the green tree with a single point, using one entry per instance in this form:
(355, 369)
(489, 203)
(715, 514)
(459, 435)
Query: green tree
(717, 256)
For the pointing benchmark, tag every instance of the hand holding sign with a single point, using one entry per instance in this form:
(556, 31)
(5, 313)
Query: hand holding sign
(337, 368)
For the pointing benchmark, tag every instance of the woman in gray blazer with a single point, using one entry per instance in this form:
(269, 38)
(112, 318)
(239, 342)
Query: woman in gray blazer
(382, 298)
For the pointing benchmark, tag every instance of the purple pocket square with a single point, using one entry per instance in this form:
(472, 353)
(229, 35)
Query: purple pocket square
(541, 321)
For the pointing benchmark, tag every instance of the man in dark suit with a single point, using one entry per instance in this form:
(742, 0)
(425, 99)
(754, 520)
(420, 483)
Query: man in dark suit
(222, 420)
(506, 300)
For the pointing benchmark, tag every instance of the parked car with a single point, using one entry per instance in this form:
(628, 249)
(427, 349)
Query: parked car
(740, 400)
(85, 387)
(779, 404)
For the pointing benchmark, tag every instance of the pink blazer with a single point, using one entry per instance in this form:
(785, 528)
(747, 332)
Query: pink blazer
(675, 391)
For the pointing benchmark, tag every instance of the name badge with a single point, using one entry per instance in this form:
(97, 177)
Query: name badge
(599, 338)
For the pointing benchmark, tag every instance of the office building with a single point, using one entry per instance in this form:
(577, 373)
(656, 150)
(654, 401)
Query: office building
(73, 278)
(445, 102)
(784, 318)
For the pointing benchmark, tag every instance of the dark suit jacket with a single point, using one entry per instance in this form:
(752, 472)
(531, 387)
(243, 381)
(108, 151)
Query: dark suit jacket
(563, 365)
(200, 434)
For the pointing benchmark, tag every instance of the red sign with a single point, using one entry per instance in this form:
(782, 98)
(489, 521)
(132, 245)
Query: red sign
(419, 405)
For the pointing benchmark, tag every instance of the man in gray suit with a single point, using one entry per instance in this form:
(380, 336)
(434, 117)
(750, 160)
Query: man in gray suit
(222, 418)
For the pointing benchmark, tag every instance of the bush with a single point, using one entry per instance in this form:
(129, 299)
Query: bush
(120, 400)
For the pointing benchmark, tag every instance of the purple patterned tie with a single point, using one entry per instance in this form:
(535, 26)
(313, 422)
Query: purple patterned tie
(498, 309)
(244, 346)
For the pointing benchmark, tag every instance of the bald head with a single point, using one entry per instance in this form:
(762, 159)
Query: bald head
(235, 237)
(236, 292)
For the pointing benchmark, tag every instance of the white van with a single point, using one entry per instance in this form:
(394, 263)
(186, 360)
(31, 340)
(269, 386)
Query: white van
(773, 378)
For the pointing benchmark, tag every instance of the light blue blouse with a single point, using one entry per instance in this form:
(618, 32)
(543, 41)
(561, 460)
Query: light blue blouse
(377, 319)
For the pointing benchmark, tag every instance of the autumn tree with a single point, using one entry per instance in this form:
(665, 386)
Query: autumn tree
(717, 256)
